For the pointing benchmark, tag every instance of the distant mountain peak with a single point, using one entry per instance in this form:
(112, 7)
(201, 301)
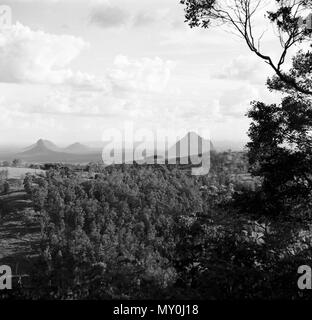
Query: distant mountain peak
(193, 134)
(42, 145)
(42, 142)
(187, 146)
(77, 147)
(77, 144)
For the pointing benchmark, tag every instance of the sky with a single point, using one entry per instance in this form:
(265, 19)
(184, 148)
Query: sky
(70, 69)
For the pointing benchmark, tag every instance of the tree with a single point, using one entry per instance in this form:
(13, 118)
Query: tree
(16, 162)
(301, 71)
(280, 150)
(5, 163)
(4, 185)
(239, 15)
(4, 175)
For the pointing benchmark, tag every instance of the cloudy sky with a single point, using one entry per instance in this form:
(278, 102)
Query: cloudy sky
(71, 68)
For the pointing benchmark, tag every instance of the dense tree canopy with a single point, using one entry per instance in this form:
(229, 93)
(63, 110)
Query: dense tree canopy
(138, 232)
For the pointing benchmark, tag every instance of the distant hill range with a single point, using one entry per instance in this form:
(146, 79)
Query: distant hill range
(47, 151)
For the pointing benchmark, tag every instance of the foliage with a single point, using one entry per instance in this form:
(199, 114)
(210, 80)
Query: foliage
(280, 149)
(16, 162)
(119, 226)
(138, 232)
(240, 16)
(249, 264)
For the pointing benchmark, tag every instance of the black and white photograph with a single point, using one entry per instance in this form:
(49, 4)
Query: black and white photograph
(155, 150)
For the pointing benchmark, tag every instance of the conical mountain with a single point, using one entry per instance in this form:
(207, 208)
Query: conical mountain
(41, 146)
(190, 145)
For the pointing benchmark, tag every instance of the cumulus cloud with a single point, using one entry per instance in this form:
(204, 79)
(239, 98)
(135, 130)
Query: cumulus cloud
(28, 56)
(142, 75)
(133, 82)
(13, 115)
(130, 88)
